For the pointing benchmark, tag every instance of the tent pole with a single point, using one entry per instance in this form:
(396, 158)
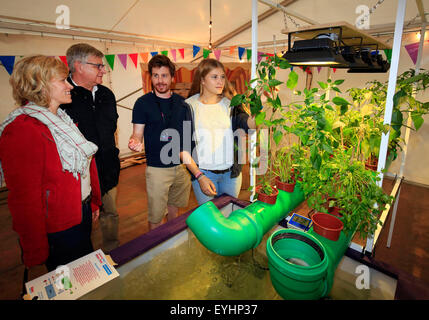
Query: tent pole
(252, 148)
(408, 130)
(396, 50)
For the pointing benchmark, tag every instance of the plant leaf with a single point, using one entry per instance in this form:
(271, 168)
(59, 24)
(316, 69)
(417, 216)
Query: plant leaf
(278, 135)
(417, 120)
(292, 80)
(259, 119)
(237, 100)
(322, 84)
(340, 101)
(274, 83)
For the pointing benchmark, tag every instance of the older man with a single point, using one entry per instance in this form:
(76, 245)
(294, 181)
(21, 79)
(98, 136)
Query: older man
(93, 109)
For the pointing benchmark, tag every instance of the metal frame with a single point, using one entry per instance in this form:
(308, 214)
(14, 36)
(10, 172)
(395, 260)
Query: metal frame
(399, 26)
(369, 249)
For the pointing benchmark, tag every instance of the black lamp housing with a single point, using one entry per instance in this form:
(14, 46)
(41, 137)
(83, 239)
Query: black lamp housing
(315, 52)
(374, 61)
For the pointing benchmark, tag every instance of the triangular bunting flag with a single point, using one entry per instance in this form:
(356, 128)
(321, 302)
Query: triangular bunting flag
(182, 52)
(240, 52)
(206, 53)
(144, 56)
(388, 53)
(134, 57)
(173, 54)
(8, 63)
(195, 50)
(260, 56)
(334, 69)
(318, 69)
(217, 54)
(123, 58)
(64, 60)
(165, 53)
(249, 54)
(110, 58)
(413, 51)
(231, 49)
(154, 53)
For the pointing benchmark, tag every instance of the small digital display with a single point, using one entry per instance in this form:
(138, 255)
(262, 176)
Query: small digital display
(301, 220)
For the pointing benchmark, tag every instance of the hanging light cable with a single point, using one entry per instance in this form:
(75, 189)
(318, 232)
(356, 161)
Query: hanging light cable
(210, 26)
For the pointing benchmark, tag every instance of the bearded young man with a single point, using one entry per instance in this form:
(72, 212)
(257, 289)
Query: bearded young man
(155, 116)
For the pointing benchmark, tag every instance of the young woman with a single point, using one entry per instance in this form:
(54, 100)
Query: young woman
(54, 192)
(214, 162)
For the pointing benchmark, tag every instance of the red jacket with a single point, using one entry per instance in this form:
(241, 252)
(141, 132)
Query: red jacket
(42, 197)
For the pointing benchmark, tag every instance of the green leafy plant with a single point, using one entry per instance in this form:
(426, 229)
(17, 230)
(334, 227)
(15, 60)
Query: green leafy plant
(283, 165)
(371, 101)
(266, 113)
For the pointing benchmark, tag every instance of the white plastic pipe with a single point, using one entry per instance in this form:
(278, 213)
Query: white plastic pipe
(253, 76)
(391, 88)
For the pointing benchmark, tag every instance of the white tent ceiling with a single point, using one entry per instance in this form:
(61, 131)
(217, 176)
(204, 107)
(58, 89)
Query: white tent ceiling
(186, 21)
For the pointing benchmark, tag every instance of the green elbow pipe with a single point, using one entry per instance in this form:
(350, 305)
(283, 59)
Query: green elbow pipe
(335, 251)
(244, 228)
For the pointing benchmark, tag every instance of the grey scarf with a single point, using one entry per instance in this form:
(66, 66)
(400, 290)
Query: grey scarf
(74, 150)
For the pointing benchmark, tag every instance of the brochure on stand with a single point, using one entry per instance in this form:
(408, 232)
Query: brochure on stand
(71, 281)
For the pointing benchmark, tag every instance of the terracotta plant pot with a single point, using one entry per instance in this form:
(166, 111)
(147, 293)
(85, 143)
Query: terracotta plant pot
(371, 165)
(288, 187)
(336, 211)
(327, 225)
(270, 199)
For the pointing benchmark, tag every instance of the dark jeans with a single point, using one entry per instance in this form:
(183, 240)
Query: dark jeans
(71, 244)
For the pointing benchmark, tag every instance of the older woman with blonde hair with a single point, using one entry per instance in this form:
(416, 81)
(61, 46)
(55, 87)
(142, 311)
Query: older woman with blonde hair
(54, 193)
(214, 163)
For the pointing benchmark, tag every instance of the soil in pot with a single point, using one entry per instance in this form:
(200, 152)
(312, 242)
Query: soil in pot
(270, 199)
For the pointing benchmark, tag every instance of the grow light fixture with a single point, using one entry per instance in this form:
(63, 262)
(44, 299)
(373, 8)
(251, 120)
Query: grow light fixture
(336, 45)
(374, 63)
(352, 57)
(320, 51)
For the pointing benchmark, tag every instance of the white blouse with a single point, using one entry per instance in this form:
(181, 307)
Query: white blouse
(213, 133)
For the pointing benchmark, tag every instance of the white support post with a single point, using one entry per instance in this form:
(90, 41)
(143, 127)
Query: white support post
(253, 76)
(391, 88)
(392, 220)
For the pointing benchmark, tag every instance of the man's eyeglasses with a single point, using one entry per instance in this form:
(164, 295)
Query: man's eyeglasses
(98, 65)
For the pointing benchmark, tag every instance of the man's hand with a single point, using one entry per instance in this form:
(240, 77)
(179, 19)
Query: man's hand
(135, 145)
(207, 186)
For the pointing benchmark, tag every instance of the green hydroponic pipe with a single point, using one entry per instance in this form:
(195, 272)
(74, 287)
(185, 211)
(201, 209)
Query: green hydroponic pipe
(303, 264)
(335, 251)
(244, 228)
